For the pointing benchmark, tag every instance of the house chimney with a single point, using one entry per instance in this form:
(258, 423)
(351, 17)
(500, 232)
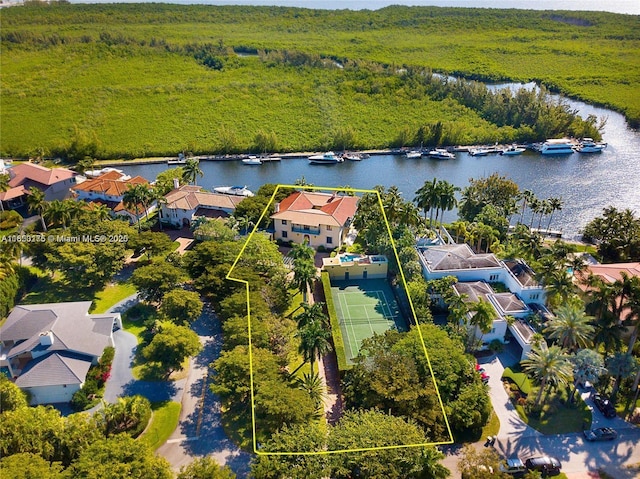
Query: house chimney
(46, 338)
(176, 183)
(277, 208)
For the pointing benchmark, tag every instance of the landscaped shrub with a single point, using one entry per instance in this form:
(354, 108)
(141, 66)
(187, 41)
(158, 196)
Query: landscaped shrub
(9, 219)
(338, 341)
(79, 401)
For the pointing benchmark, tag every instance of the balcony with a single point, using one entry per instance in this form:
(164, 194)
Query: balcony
(306, 230)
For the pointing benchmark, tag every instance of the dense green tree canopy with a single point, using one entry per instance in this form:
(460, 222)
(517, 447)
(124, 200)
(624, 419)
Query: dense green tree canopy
(29, 466)
(171, 346)
(205, 468)
(495, 190)
(155, 280)
(181, 307)
(11, 396)
(617, 234)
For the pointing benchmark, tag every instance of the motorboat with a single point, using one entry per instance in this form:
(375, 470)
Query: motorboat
(557, 147)
(587, 145)
(512, 150)
(414, 154)
(328, 158)
(181, 160)
(233, 190)
(441, 154)
(479, 152)
(252, 160)
(352, 157)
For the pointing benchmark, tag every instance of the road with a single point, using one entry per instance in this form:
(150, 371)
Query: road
(578, 457)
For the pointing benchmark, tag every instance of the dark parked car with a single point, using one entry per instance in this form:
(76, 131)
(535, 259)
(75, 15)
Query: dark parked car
(600, 434)
(604, 405)
(513, 467)
(545, 464)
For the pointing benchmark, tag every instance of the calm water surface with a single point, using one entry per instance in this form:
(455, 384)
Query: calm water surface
(586, 183)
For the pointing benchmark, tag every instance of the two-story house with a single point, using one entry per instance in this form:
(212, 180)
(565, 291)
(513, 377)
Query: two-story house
(109, 189)
(186, 203)
(319, 219)
(53, 182)
(520, 295)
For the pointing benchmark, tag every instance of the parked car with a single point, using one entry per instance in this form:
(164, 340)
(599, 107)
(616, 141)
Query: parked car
(604, 405)
(513, 466)
(600, 434)
(484, 377)
(545, 464)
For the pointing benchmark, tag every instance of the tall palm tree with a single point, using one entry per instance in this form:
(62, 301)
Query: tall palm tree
(136, 197)
(620, 366)
(392, 203)
(303, 252)
(311, 313)
(427, 197)
(483, 316)
(535, 205)
(545, 209)
(608, 333)
(526, 196)
(555, 204)
(101, 211)
(547, 366)
(37, 204)
(571, 327)
(304, 276)
(314, 341)
(192, 171)
(447, 197)
(59, 213)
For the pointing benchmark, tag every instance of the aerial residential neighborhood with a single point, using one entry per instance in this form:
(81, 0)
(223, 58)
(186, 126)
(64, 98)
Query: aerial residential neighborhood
(319, 240)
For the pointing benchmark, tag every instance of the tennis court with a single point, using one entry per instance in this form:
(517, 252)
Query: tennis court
(365, 307)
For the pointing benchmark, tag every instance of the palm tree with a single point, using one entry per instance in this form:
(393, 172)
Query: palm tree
(302, 252)
(192, 171)
(620, 366)
(548, 366)
(304, 275)
(37, 204)
(608, 333)
(447, 197)
(556, 205)
(427, 197)
(101, 211)
(135, 197)
(314, 341)
(311, 313)
(312, 385)
(392, 204)
(460, 229)
(59, 213)
(545, 209)
(526, 196)
(535, 205)
(482, 317)
(571, 327)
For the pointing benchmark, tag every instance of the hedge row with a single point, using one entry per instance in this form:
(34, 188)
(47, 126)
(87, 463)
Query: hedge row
(338, 342)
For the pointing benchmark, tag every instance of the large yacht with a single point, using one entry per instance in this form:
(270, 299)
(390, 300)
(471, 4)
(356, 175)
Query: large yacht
(327, 158)
(560, 146)
(587, 145)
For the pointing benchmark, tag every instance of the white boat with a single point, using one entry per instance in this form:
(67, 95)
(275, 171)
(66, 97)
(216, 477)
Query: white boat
(328, 158)
(233, 190)
(252, 160)
(512, 150)
(479, 152)
(352, 157)
(441, 154)
(587, 145)
(560, 146)
(102, 171)
(414, 154)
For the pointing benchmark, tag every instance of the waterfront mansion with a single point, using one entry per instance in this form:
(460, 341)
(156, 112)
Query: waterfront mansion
(519, 295)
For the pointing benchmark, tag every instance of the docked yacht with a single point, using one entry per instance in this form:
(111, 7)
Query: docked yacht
(328, 158)
(587, 145)
(512, 150)
(252, 160)
(233, 190)
(414, 154)
(479, 152)
(352, 156)
(560, 146)
(441, 154)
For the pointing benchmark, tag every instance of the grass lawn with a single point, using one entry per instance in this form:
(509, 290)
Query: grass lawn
(163, 423)
(519, 379)
(492, 427)
(112, 294)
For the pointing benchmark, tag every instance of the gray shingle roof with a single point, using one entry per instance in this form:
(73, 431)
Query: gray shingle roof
(456, 257)
(54, 369)
(509, 303)
(474, 290)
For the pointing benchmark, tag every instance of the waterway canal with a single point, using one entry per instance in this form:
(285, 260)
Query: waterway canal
(586, 183)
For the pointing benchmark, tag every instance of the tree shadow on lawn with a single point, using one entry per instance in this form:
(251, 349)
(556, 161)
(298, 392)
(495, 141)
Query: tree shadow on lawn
(155, 391)
(57, 289)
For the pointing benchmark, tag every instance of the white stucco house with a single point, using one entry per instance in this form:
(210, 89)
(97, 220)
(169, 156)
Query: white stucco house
(186, 203)
(476, 273)
(47, 349)
(109, 189)
(318, 219)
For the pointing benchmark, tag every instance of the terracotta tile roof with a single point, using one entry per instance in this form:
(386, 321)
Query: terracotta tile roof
(609, 273)
(110, 184)
(24, 173)
(314, 209)
(189, 197)
(13, 193)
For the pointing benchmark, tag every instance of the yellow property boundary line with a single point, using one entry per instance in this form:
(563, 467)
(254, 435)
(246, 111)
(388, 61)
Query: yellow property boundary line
(404, 282)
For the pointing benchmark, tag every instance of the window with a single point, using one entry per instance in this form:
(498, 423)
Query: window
(535, 296)
(329, 240)
(306, 227)
(284, 234)
(284, 222)
(328, 227)
(493, 277)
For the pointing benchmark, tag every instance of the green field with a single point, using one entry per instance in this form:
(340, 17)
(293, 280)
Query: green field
(364, 308)
(135, 80)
